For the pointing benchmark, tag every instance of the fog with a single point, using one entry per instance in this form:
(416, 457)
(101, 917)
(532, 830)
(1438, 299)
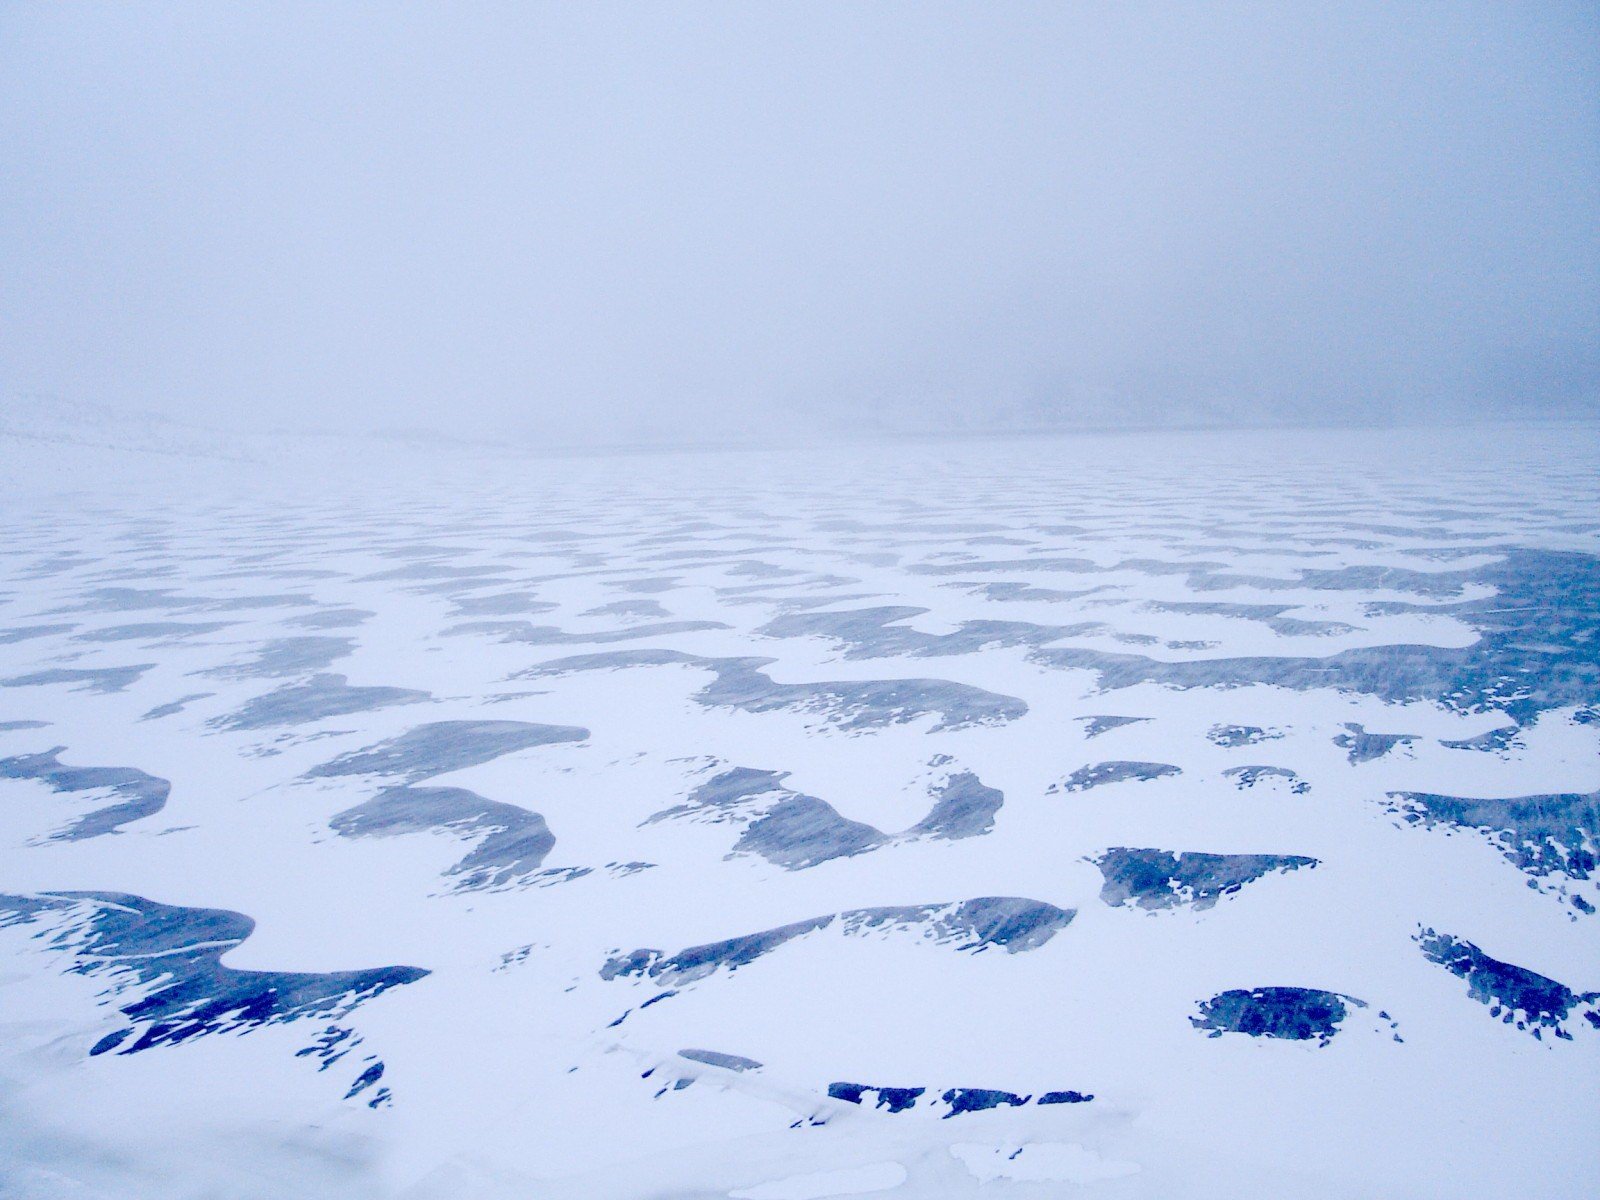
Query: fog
(682, 222)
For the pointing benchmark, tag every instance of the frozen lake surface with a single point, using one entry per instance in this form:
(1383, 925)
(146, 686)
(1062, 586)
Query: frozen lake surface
(1181, 815)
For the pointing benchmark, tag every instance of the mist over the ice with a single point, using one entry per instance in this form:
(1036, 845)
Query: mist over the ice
(706, 222)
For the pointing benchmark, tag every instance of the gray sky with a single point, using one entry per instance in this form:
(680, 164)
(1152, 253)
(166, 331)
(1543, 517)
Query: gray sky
(710, 220)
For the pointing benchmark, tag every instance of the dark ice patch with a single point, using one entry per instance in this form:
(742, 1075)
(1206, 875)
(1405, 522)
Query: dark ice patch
(443, 746)
(83, 679)
(289, 656)
(877, 632)
(1157, 879)
(1496, 741)
(1293, 1013)
(629, 608)
(1538, 647)
(551, 635)
(172, 956)
(318, 698)
(152, 631)
(25, 633)
(1093, 727)
(715, 1058)
(895, 1099)
(1514, 994)
(173, 707)
(957, 1100)
(802, 831)
(139, 795)
(501, 604)
(969, 1099)
(514, 841)
(963, 807)
(1248, 777)
(1117, 771)
(850, 704)
(1270, 615)
(332, 618)
(1232, 736)
(1364, 747)
(1012, 923)
(1541, 835)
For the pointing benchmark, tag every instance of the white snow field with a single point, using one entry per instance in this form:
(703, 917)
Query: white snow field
(1155, 815)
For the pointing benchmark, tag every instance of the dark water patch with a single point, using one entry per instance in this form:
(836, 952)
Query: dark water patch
(1293, 1013)
(1248, 777)
(83, 679)
(1117, 771)
(173, 956)
(1012, 923)
(1161, 879)
(1541, 835)
(443, 746)
(289, 656)
(316, 699)
(139, 795)
(332, 618)
(1364, 747)
(715, 1058)
(173, 707)
(514, 841)
(1514, 994)
(1093, 727)
(963, 807)
(850, 704)
(1069, 1096)
(8, 726)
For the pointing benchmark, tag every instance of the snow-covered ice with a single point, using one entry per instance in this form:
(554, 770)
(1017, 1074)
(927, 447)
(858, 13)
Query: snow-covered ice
(1156, 815)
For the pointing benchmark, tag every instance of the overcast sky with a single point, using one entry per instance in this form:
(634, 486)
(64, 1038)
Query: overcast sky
(688, 221)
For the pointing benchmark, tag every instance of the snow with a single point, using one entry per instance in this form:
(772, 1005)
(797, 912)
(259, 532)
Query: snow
(513, 1068)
